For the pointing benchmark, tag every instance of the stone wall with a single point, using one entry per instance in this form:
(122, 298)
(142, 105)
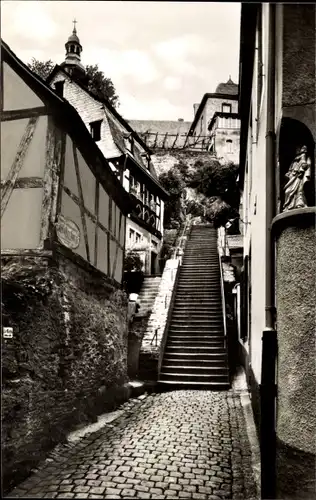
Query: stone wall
(165, 160)
(299, 54)
(154, 337)
(296, 298)
(66, 362)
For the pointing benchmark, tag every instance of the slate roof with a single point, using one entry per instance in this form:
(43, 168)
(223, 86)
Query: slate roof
(67, 116)
(118, 131)
(228, 88)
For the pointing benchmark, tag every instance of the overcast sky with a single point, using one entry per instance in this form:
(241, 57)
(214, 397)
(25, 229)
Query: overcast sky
(161, 56)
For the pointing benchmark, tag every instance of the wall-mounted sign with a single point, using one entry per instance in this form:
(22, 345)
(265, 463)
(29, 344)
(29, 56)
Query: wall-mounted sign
(68, 232)
(7, 332)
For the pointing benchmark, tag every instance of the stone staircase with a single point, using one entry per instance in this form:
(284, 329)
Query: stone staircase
(147, 295)
(196, 350)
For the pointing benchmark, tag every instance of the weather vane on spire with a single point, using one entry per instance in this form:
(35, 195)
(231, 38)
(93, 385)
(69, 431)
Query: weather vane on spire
(75, 22)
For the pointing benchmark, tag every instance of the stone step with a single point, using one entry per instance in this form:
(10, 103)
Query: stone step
(212, 333)
(213, 356)
(191, 309)
(198, 280)
(196, 327)
(199, 273)
(199, 268)
(206, 302)
(195, 321)
(198, 286)
(189, 368)
(186, 317)
(195, 349)
(172, 342)
(173, 361)
(195, 298)
(199, 336)
(214, 386)
(196, 377)
(195, 311)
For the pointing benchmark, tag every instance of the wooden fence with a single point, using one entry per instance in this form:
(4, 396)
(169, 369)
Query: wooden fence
(176, 141)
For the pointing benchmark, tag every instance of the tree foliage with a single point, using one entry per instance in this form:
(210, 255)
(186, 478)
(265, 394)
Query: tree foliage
(173, 182)
(41, 68)
(214, 195)
(132, 262)
(100, 85)
(96, 82)
(211, 178)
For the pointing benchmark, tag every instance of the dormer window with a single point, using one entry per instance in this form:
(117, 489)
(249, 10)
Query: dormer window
(95, 130)
(59, 87)
(226, 108)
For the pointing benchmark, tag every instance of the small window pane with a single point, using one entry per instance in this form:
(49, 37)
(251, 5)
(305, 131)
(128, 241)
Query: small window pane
(95, 129)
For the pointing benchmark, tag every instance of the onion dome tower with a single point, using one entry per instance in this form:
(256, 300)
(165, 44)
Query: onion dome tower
(72, 63)
(229, 88)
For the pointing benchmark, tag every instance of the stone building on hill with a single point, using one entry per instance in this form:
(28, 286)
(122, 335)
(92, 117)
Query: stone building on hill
(217, 117)
(128, 155)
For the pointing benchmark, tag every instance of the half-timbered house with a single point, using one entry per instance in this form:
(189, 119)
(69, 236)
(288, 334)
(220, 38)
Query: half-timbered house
(128, 156)
(64, 316)
(58, 191)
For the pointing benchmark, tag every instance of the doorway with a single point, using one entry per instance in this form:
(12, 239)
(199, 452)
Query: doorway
(153, 264)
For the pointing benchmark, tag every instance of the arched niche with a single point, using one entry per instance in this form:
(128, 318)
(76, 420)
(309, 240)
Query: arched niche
(294, 134)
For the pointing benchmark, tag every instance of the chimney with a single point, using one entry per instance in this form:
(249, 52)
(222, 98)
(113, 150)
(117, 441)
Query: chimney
(195, 107)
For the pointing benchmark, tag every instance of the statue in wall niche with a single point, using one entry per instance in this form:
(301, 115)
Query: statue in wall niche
(298, 175)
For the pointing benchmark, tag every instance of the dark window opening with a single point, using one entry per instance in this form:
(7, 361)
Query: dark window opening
(226, 108)
(59, 87)
(95, 129)
(229, 146)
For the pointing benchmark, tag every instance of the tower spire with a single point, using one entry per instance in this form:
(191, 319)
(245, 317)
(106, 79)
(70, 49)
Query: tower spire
(72, 63)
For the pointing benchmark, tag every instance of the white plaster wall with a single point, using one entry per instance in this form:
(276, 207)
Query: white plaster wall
(145, 247)
(254, 201)
(16, 93)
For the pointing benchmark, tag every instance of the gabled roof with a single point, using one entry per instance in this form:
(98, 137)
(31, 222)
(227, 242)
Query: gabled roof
(105, 102)
(68, 118)
(214, 95)
(118, 134)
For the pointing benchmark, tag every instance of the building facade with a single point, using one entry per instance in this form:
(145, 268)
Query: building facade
(57, 188)
(277, 172)
(128, 155)
(217, 117)
(63, 311)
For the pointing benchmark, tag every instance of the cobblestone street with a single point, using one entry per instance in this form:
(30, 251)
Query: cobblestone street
(180, 444)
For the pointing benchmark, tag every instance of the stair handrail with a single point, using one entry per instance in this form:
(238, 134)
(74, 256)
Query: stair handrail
(180, 241)
(169, 315)
(222, 294)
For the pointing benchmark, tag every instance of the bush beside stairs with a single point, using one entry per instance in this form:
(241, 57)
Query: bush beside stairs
(196, 347)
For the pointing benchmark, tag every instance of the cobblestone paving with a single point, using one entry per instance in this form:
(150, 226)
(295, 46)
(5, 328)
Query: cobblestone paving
(180, 444)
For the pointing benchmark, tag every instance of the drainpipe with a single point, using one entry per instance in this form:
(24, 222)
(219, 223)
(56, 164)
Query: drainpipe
(269, 335)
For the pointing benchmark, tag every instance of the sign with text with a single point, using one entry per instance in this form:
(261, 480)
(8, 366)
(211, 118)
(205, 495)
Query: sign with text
(68, 232)
(7, 332)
